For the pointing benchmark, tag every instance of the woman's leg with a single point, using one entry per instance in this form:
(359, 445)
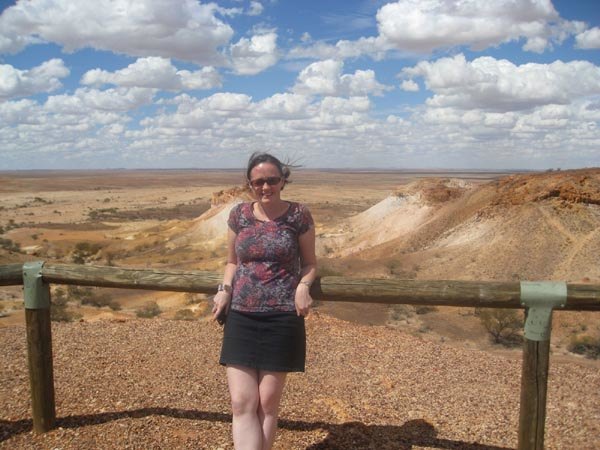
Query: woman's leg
(244, 391)
(270, 388)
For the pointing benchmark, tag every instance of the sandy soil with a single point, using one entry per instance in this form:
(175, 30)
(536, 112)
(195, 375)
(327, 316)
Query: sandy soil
(366, 387)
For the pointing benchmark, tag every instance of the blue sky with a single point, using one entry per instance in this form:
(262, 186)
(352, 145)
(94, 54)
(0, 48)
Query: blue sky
(495, 84)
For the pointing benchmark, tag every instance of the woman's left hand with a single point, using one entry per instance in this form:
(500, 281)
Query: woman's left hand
(303, 300)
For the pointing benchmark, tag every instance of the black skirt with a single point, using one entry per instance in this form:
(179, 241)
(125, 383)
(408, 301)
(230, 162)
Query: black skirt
(273, 341)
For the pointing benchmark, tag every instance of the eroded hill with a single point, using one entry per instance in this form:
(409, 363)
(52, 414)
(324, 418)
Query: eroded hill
(528, 226)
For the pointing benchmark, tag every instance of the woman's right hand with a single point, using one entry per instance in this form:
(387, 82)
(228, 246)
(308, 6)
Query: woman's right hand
(221, 303)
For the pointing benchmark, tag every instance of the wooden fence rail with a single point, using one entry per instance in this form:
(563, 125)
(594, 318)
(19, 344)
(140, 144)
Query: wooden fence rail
(534, 379)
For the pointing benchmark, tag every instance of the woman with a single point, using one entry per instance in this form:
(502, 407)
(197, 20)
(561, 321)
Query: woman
(271, 265)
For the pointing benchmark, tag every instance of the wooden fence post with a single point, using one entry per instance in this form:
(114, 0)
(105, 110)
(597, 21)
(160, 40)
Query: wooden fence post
(540, 298)
(39, 347)
(534, 386)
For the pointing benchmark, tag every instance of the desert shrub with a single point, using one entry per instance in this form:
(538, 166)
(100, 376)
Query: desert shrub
(149, 310)
(79, 293)
(59, 312)
(425, 309)
(184, 314)
(401, 312)
(102, 213)
(9, 245)
(503, 325)
(100, 300)
(59, 297)
(89, 296)
(84, 250)
(63, 314)
(192, 298)
(587, 346)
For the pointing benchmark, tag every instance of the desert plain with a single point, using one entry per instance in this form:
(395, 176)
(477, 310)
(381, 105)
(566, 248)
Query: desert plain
(378, 376)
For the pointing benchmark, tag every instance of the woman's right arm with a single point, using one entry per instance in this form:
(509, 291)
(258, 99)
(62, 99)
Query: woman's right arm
(223, 298)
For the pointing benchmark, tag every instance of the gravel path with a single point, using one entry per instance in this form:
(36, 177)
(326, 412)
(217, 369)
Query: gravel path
(156, 384)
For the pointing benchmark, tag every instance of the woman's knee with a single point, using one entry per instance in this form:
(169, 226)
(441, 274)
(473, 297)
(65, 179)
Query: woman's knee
(270, 392)
(243, 402)
(269, 405)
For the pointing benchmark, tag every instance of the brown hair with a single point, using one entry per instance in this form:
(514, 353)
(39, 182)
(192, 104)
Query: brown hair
(261, 157)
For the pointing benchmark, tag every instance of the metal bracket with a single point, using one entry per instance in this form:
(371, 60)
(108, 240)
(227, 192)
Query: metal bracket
(35, 291)
(540, 298)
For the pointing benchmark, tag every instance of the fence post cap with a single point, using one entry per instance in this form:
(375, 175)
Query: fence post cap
(36, 297)
(540, 298)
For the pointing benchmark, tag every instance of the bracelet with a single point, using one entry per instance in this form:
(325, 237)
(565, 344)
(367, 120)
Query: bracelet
(306, 283)
(224, 287)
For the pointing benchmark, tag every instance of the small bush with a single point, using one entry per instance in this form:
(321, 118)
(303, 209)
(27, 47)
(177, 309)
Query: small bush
(401, 312)
(503, 325)
(89, 296)
(587, 346)
(184, 314)
(84, 250)
(60, 313)
(149, 310)
(425, 309)
(9, 245)
(79, 293)
(100, 300)
(192, 298)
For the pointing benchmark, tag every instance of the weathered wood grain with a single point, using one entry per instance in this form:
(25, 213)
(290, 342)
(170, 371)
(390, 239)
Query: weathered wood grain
(534, 387)
(483, 294)
(41, 371)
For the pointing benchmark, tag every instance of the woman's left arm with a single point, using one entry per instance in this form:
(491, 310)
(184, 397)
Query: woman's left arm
(308, 274)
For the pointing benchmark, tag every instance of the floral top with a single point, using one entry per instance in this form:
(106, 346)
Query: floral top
(268, 258)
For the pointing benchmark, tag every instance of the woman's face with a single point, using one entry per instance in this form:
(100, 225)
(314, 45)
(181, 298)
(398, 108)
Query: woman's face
(266, 182)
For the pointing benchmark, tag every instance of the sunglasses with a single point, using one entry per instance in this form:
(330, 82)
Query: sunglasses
(260, 182)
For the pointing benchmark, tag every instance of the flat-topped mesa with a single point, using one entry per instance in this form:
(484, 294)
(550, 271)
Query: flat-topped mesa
(229, 195)
(434, 191)
(567, 187)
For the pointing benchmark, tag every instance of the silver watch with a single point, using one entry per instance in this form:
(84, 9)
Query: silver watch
(224, 287)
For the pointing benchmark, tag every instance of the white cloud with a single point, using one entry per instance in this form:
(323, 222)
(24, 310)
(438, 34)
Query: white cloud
(284, 106)
(222, 129)
(17, 112)
(185, 29)
(344, 49)
(85, 100)
(325, 78)
(205, 78)
(251, 56)
(424, 26)
(589, 38)
(409, 86)
(43, 78)
(492, 84)
(256, 8)
(155, 72)
(226, 102)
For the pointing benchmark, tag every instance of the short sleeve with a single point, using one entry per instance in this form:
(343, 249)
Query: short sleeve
(234, 218)
(305, 220)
